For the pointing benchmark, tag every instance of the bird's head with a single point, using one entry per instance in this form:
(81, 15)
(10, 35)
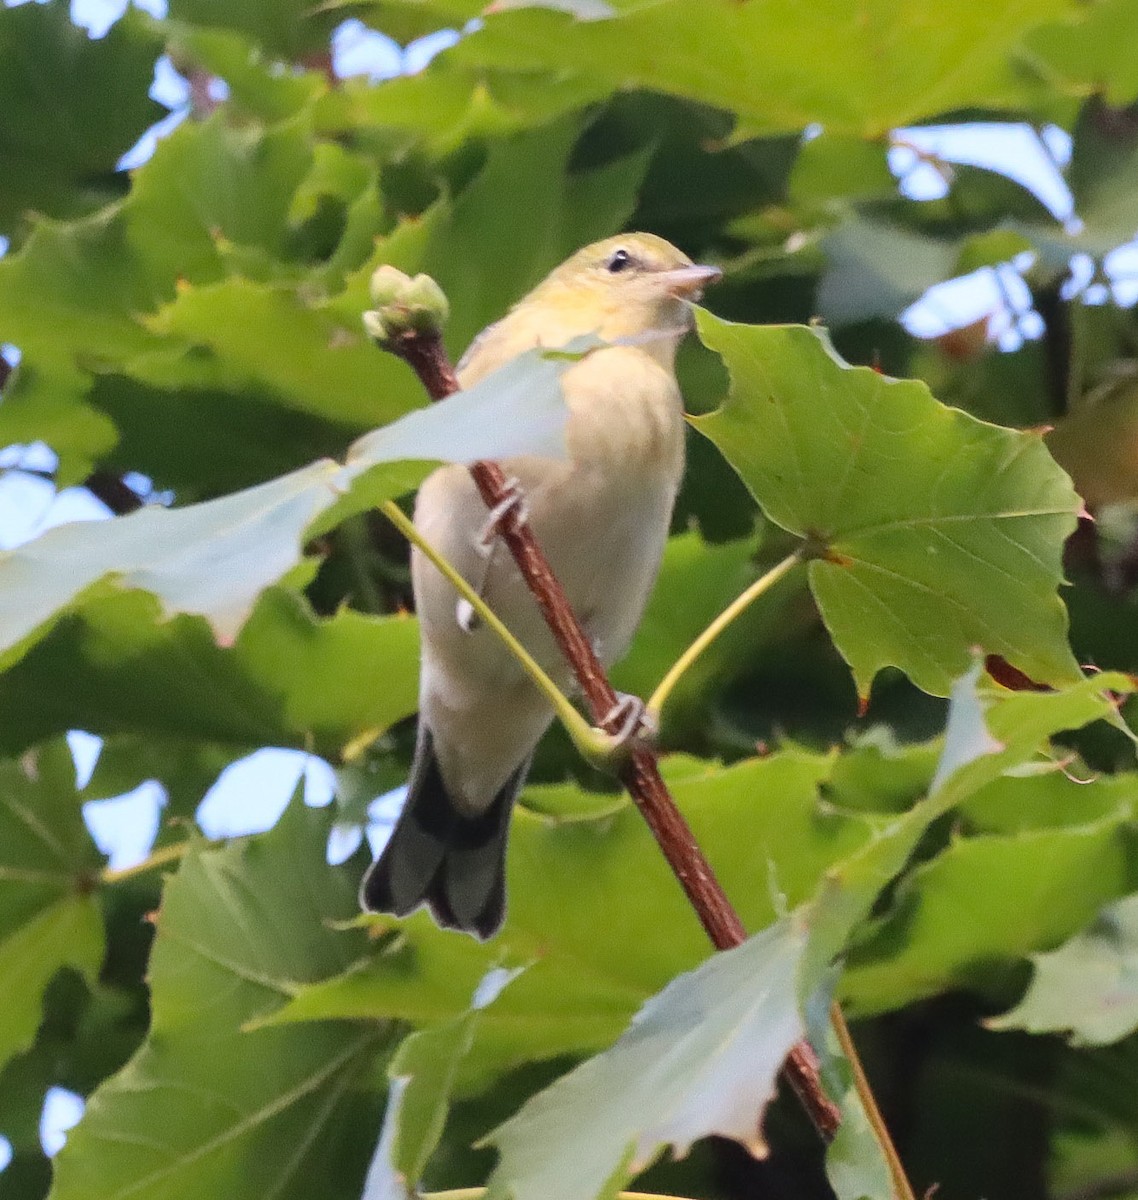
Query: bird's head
(626, 287)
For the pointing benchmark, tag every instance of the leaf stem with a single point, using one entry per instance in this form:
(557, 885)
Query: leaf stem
(735, 609)
(902, 1188)
(159, 858)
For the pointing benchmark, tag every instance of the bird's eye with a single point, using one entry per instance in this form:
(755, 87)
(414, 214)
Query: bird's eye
(619, 261)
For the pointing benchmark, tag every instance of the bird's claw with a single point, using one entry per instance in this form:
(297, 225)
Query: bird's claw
(468, 620)
(634, 724)
(513, 502)
(513, 505)
(627, 726)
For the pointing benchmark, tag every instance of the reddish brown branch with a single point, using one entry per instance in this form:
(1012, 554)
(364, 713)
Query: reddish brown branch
(640, 775)
(118, 496)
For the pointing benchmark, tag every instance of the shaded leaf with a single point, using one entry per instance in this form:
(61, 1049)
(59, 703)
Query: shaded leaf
(266, 337)
(855, 1165)
(449, 104)
(256, 84)
(211, 186)
(602, 1117)
(1103, 177)
(211, 560)
(556, 1007)
(117, 667)
(1097, 443)
(878, 270)
(697, 581)
(841, 165)
(186, 770)
(59, 157)
(422, 1076)
(990, 732)
(97, 307)
(875, 269)
(941, 932)
(523, 215)
(289, 28)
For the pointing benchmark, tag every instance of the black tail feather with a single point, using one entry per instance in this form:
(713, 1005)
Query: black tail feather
(441, 857)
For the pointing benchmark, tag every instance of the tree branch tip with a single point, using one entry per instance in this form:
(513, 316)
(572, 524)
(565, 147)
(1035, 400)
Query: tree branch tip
(404, 306)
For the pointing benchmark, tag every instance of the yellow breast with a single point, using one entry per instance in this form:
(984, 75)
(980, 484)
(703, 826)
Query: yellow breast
(625, 414)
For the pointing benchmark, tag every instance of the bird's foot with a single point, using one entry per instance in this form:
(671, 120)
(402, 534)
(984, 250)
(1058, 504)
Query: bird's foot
(629, 723)
(512, 506)
(627, 727)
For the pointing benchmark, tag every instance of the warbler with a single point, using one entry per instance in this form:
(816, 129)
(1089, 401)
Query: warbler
(601, 515)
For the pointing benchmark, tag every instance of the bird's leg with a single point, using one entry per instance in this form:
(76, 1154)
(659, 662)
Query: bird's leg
(513, 501)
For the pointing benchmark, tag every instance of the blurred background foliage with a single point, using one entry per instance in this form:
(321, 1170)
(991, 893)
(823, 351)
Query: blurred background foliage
(954, 194)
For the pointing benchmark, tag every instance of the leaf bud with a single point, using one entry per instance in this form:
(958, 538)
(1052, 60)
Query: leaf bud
(404, 305)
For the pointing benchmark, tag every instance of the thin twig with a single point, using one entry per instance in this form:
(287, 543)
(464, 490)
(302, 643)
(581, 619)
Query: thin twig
(425, 354)
(159, 858)
(113, 492)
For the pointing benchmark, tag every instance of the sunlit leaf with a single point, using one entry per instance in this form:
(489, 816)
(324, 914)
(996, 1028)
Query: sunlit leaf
(1088, 50)
(1088, 987)
(214, 560)
(700, 1058)
(780, 67)
(934, 533)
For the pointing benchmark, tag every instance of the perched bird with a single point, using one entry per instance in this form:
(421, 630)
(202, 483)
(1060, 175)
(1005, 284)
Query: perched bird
(601, 516)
